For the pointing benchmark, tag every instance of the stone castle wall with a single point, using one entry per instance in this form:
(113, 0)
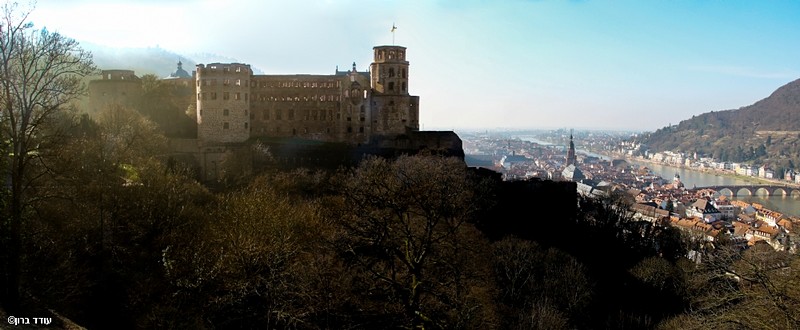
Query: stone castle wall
(223, 102)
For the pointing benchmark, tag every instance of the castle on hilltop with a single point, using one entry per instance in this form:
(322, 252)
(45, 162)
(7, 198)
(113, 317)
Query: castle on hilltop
(232, 106)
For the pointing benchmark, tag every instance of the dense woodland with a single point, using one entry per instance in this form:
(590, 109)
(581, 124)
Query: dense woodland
(766, 132)
(102, 227)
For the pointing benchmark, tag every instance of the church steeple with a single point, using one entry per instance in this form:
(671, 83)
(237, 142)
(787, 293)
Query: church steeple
(571, 151)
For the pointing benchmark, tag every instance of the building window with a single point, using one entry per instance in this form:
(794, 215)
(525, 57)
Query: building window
(404, 87)
(349, 130)
(245, 125)
(238, 81)
(391, 86)
(291, 114)
(226, 95)
(238, 69)
(391, 72)
(225, 112)
(265, 114)
(361, 129)
(225, 125)
(214, 95)
(278, 114)
(226, 82)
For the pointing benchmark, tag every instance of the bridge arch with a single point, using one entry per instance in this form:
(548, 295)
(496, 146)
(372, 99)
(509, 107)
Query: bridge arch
(779, 191)
(761, 191)
(743, 191)
(726, 192)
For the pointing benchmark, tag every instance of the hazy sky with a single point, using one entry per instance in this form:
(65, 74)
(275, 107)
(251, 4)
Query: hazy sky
(488, 64)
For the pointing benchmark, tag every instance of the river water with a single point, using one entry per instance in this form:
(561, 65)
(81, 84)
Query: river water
(690, 178)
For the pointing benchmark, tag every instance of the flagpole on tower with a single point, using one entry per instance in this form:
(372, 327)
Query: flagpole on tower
(393, 29)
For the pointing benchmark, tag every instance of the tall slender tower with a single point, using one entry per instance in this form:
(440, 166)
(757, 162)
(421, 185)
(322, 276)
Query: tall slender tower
(394, 110)
(571, 151)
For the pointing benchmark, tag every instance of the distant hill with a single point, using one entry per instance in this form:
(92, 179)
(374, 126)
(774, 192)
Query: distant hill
(767, 131)
(150, 60)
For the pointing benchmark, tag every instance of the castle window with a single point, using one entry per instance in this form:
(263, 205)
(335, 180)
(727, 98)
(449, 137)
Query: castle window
(278, 114)
(349, 130)
(204, 96)
(403, 73)
(238, 69)
(238, 81)
(245, 125)
(225, 125)
(245, 97)
(225, 112)
(348, 118)
(214, 95)
(391, 86)
(361, 129)
(225, 95)
(391, 72)
(362, 119)
(237, 96)
(265, 114)
(404, 87)
(198, 96)
(291, 114)
(198, 83)
(294, 131)
(226, 82)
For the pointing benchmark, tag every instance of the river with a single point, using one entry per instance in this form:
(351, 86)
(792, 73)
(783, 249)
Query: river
(690, 178)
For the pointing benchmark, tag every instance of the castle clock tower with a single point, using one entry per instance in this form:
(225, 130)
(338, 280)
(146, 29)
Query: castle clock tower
(393, 109)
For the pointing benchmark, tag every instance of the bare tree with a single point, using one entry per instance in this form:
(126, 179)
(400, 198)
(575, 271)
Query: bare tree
(40, 75)
(406, 230)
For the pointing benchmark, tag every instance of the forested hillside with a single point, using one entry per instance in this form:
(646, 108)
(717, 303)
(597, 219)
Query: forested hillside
(767, 131)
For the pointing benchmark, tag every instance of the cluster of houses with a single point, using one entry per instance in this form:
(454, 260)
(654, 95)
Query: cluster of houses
(705, 217)
(703, 213)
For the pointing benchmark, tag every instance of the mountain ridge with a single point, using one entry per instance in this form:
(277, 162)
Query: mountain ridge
(765, 132)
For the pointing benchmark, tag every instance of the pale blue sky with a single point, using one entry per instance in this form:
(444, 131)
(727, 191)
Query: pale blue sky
(488, 64)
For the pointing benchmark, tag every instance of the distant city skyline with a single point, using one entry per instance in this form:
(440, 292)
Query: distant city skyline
(618, 65)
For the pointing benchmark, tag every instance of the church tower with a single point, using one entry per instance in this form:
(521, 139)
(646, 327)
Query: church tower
(393, 109)
(571, 151)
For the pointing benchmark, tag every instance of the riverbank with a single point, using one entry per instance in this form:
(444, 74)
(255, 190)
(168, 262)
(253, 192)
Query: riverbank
(712, 171)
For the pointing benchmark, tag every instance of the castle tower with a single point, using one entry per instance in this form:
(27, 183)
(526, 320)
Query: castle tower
(223, 102)
(394, 110)
(390, 70)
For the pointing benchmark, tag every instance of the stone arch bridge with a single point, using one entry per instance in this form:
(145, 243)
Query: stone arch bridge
(753, 190)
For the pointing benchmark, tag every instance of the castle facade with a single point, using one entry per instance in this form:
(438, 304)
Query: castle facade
(234, 105)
